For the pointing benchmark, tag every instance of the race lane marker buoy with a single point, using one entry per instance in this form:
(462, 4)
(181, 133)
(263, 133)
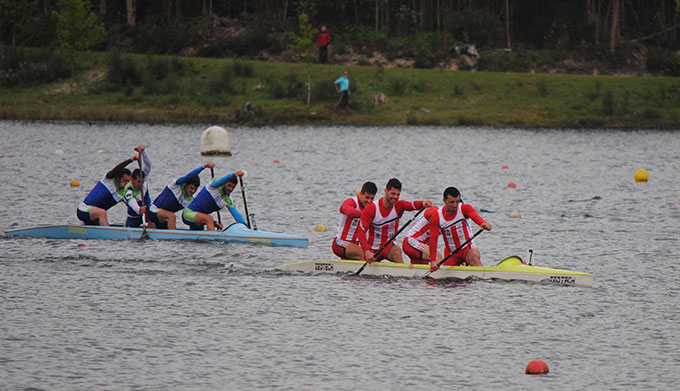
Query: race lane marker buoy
(512, 185)
(75, 183)
(320, 228)
(216, 141)
(505, 167)
(81, 244)
(536, 367)
(641, 175)
(515, 215)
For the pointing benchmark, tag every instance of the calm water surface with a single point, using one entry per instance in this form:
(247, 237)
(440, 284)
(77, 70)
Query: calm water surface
(207, 316)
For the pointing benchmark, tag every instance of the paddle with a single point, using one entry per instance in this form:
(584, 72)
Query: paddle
(212, 178)
(145, 235)
(454, 251)
(245, 204)
(361, 269)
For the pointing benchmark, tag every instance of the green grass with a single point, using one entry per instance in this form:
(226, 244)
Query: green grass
(416, 96)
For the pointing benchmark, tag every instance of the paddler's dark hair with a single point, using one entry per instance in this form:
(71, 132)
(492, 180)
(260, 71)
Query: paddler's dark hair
(451, 191)
(233, 180)
(369, 188)
(393, 184)
(136, 172)
(196, 181)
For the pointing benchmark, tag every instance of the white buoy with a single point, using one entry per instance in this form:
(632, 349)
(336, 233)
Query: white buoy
(216, 141)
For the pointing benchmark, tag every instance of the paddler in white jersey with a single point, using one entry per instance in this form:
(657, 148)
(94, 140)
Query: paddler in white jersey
(106, 193)
(346, 244)
(380, 222)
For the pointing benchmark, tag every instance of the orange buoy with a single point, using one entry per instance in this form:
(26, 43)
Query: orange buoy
(512, 184)
(536, 367)
(74, 183)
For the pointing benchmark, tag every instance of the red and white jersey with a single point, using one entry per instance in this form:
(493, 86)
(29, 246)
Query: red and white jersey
(420, 230)
(455, 231)
(349, 220)
(382, 227)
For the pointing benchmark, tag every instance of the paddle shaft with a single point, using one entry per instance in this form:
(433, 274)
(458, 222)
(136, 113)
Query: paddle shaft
(245, 204)
(141, 177)
(390, 240)
(212, 178)
(456, 250)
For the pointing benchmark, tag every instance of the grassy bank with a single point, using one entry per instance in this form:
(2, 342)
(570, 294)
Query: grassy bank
(181, 90)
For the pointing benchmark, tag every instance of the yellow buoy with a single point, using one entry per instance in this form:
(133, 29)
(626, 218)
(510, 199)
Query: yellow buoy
(515, 215)
(320, 228)
(641, 175)
(75, 183)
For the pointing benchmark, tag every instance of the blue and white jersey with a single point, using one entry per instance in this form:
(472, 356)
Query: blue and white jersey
(132, 197)
(174, 198)
(212, 198)
(105, 194)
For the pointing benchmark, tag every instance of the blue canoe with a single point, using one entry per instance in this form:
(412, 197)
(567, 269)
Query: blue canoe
(235, 233)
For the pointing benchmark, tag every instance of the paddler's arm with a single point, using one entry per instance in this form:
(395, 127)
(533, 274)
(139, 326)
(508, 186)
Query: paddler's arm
(190, 175)
(366, 218)
(146, 167)
(349, 209)
(220, 182)
(114, 172)
(434, 238)
(132, 202)
(470, 213)
(237, 216)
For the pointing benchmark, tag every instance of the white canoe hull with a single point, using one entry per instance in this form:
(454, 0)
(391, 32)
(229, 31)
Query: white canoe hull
(510, 269)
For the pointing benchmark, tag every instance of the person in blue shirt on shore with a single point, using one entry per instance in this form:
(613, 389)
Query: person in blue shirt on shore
(176, 196)
(342, 85)
(212, 198)
(136, 198)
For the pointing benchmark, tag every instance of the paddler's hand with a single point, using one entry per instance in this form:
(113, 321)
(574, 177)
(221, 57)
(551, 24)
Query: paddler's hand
(209, 165)
(240, 173)
(219, 225)
(369, 257)
(427, 204)
(135, 157)
(434, 266)
(142, 209)
(140, 148)
(486, 226)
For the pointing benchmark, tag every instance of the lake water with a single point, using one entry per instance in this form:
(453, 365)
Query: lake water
(207, 316)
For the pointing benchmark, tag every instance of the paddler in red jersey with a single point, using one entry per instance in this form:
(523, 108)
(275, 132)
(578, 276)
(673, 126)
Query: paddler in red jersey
(346, 244)
(452, 221)
(380, 221)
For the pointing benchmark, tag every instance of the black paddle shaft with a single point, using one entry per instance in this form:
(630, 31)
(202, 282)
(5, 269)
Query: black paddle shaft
(390, 240)
(212, 178)
(459, 247)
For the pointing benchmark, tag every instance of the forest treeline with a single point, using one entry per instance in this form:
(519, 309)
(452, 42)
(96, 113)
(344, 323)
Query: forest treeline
(611, 29)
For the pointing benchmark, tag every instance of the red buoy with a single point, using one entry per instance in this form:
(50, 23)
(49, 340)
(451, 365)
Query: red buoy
(512, 184)
(536, 367)
(81, 244)
(505, 167)
(276, 161)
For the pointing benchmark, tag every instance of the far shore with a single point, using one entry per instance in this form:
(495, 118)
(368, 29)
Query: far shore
(219, 91)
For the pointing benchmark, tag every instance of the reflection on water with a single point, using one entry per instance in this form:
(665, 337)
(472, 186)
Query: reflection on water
(192, 315)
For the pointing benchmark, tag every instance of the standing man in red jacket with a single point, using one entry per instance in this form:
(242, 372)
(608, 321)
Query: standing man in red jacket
(322, 41)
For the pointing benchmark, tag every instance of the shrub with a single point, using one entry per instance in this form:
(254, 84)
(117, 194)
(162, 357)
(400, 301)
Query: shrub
(22, 67)
(542, 87)
(475, 25)
(608, 107)
(398, 85)
(243, 68)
